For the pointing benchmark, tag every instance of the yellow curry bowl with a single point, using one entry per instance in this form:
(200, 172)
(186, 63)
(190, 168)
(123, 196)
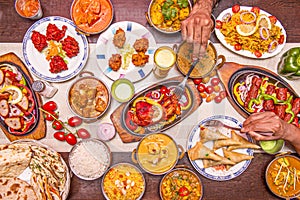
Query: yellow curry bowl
(166, 15)
(157, 153)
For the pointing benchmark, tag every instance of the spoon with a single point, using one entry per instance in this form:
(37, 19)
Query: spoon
(219, 124)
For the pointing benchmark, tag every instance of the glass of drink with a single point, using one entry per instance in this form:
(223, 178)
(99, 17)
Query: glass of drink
(30, 9)
(164, 60)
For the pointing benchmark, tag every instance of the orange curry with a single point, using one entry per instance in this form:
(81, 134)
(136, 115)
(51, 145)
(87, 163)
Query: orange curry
(27, 8)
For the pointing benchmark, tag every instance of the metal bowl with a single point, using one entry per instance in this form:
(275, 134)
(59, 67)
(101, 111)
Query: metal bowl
(181, 176)
(274, 173)
(117, 182)
(80, 101)
(96, 27)
(90, 158)
(157, 153)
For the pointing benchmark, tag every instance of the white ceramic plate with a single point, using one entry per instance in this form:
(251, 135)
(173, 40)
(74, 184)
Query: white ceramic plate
(211, 172)
(36, 61)
(246, 53)
(105, 48)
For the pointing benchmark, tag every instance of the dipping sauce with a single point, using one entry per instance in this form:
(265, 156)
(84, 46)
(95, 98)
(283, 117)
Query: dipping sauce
(27, 8)
(92, 16)
(122, 90)
(89, 159)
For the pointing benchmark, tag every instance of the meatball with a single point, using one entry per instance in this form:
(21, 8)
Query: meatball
(141, 45)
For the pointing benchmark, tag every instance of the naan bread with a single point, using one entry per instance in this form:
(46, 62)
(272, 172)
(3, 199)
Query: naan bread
(224, 143)
(243, 142)
(211, 163)
(14, 159)
(15, 188)
(200, 151)
(210, 135)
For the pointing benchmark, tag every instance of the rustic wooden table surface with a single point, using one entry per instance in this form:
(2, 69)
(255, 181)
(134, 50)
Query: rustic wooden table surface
(249, 185)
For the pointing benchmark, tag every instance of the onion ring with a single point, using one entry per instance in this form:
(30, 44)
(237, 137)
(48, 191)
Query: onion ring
(273, 46)
(261, 33)
(248, 22)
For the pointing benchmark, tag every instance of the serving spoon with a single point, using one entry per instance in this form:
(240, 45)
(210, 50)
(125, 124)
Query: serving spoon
(219, 124)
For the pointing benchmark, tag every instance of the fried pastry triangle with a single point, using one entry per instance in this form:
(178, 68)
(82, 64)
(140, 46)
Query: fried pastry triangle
(210, 135)
(243, 142)
(200, 151)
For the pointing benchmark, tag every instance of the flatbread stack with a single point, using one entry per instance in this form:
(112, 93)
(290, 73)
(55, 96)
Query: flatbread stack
(229, 157)
(47, 172)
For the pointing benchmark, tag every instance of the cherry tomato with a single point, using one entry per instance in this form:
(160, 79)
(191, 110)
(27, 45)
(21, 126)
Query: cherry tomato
(273, 19)
(255, 9)
(215, 81)
(257, 54)
(223, 94)
(218, 99)
(183, 191)
(49, 117)
(71, 139)
(219, 24)
(74, 121)
(60, 135)
(50, 106)
(197, 81)
(281, 39)
(209, 89)
(57, 125)
(201, 88)
(164, 90)
(83, 133)
(238, 47)
(236, 8)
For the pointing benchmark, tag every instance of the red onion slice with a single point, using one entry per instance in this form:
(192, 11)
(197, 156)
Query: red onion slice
(246, 13)
(226, 18)
(273, 46)
(261, 33)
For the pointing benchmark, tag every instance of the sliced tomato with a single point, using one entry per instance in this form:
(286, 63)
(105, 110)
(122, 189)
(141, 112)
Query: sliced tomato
(255, 9)
(238, 47)
(281, 39)
(219, 24)
(273, 19)
(236, 8)
(257, 54)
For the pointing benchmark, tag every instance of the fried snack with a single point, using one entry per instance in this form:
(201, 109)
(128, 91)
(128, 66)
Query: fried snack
(225, 143)
(210, 135)
(235, 156)
(115, 62)
(141, 45)
(119, 38)
(199, 151)
(140, 59)
(244, 143)
(211, 163)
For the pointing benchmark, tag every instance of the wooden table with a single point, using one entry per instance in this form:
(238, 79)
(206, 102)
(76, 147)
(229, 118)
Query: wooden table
(249, 185)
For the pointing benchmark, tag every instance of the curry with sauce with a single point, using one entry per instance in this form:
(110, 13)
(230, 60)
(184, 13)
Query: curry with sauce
(205, 65)
(283, 176)
(157, 153)
(92, 16)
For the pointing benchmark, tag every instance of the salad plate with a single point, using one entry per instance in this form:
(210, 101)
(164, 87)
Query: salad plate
(36, 61)
(105, 49)
(223, 16)
(218, 173)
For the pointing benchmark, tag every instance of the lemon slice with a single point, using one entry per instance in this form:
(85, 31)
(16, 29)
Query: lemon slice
(264, 21)
(158, 113)
(16, 94)
(246, 29)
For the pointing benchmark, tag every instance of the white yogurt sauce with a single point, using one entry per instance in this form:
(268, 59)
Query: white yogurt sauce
(123, 91)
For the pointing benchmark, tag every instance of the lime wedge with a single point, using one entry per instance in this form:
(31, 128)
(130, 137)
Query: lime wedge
(268, 145)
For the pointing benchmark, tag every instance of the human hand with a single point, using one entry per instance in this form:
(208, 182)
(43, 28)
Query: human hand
(265, 122)
(197, 27)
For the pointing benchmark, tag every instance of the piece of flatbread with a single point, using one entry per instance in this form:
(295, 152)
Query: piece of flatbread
(200, 151)
(224, 143)
(244, 143)
(210, 135)
(14, 159)
(15, 188)
(211, 163)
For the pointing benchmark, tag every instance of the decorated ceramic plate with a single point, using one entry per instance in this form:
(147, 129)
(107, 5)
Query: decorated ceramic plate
(281, 40)
(105, 49)
(156, 109)
(39, 62)
(218, 173)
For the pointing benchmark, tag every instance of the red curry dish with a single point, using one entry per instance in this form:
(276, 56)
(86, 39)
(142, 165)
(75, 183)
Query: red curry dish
(257, 93)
